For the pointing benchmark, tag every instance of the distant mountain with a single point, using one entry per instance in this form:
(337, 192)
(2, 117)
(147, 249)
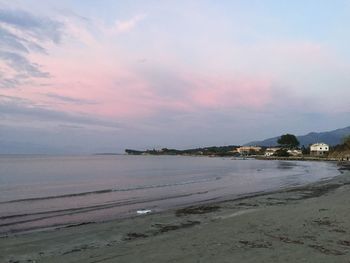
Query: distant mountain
(331, 137)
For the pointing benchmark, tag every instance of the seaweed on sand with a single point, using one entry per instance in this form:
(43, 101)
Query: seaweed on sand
(195, 210)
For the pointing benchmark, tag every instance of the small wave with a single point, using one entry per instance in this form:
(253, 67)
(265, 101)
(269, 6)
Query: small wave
(105, 191)
(33, 217)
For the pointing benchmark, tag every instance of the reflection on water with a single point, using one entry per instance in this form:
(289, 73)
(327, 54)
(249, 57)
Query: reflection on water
(286, 164)
(37, 192)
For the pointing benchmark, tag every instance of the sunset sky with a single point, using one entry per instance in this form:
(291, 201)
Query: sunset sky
(84, 76)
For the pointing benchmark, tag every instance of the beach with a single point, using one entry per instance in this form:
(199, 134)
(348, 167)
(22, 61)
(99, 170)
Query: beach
(36, 193)
(301, 224)
(174, 131)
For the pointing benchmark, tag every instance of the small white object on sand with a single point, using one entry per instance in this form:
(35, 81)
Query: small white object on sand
(143, 211)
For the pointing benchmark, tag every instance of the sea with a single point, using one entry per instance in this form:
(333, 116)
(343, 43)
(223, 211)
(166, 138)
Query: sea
(45, 192)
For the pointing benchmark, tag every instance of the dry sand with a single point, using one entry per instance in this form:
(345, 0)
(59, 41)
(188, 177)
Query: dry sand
(307, 224)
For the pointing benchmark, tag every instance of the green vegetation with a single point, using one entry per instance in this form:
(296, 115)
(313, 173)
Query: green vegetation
(346, 140)
(305, 150)
(281, 153)
(133, 152)
(288, 141)
(341, 150)
(206, 151)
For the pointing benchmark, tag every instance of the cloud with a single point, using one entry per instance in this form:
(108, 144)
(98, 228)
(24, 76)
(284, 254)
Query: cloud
(16, 107)
(128, 25)
(8, 82)
(69, 100)
(10, 41)
(22, 65)
(21, 34)
(188, 91)
(41, 28)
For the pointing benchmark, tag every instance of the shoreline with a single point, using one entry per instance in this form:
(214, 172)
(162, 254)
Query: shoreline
(217, 199)
(299, 158)
(256, 157)
(229, 223)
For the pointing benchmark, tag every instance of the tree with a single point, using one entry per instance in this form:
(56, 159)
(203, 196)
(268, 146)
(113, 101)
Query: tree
(305, 150)
(288, 141)
(281, 153)
(346, 140)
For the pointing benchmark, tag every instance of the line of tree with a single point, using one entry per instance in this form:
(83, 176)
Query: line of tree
(341, 150)
(209, 151)
(287, 142)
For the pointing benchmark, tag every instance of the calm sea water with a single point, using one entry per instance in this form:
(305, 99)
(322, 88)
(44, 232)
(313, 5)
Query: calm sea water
(38, 192)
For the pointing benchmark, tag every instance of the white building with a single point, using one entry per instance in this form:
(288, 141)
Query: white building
(247, 150)
(271, 151)
(319, 149)
(295, 152)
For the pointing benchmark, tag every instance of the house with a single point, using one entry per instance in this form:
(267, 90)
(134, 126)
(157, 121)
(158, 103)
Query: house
(295, 152)
(319, 149)
(247, 150)
(271, 151)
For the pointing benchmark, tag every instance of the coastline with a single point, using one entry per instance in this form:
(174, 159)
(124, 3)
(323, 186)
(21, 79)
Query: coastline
(299, 158)
(257, 157)
(302, 224)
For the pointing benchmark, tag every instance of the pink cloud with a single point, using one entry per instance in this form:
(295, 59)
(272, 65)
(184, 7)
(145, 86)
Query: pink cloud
(120, 91)
(127, 25)
(228, 92)
(98, 70)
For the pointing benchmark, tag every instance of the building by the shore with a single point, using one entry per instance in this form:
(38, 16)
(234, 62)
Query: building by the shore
(295, 152)
(319, 149)
(247, 150)
(271, 151)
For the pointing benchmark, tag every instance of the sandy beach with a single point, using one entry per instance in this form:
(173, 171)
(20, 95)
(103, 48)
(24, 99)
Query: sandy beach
(305, 224)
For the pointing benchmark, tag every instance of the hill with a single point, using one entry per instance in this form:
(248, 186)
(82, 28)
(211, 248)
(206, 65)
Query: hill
(330, 137)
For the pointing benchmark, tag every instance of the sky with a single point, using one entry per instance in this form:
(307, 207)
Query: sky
(87, 76)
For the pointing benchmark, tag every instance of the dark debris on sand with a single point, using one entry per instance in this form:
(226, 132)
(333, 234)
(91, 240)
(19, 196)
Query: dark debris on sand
(196, 210)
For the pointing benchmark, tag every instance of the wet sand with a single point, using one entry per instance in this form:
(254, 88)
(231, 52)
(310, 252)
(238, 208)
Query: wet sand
(305, 224)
